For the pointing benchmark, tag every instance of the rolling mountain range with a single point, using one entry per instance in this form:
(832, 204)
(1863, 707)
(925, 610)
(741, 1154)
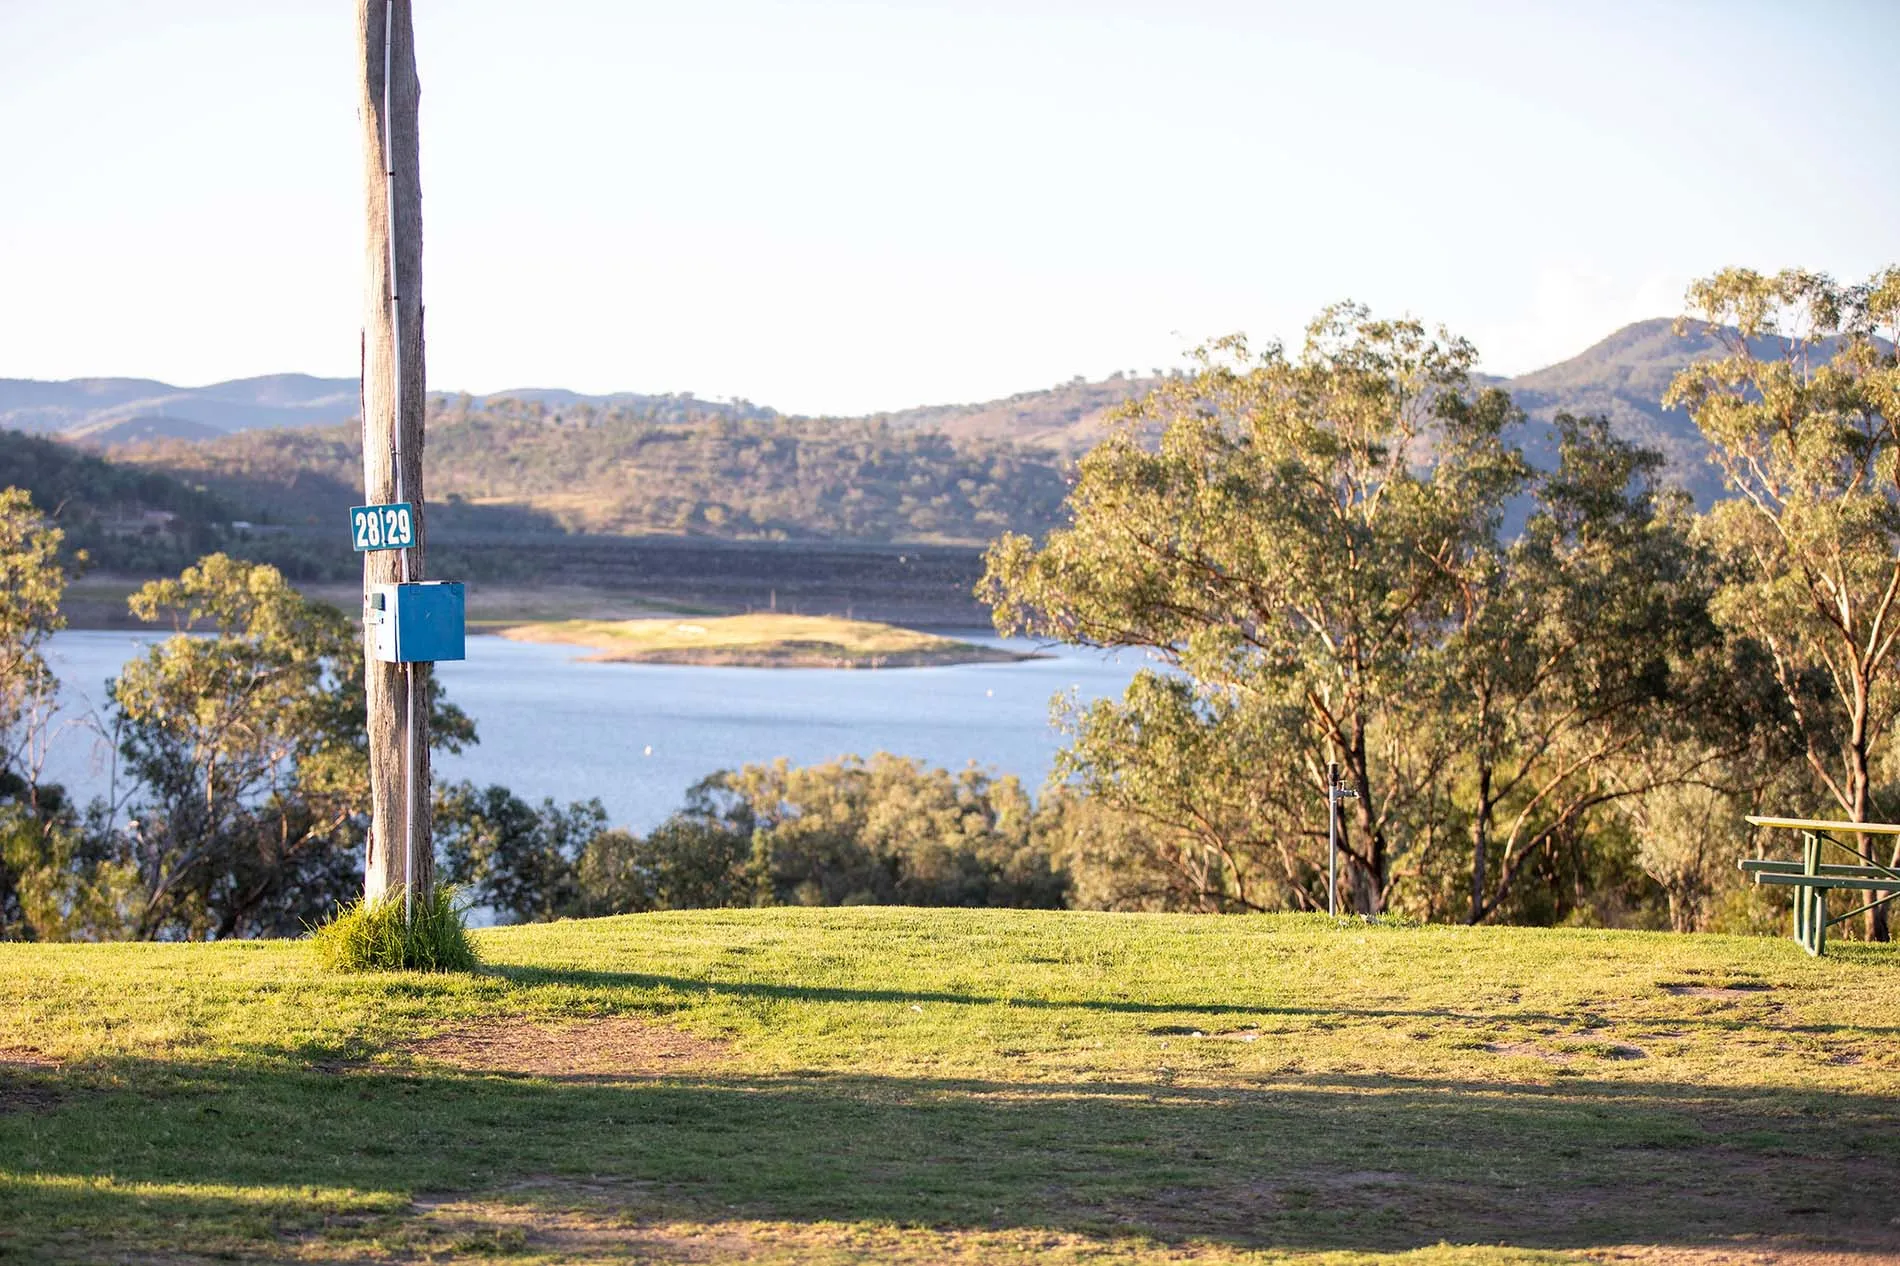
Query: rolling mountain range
(1622, 377)
(115, 410)
(284, 451)
(1625, 375)
(105, 412)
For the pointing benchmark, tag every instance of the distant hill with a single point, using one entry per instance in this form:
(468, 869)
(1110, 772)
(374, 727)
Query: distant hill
(665, 468)
(284, 450)
(109, 411)
(124, 517)
(1623, 378)
(1067, 419)
(141, 429)
(96, 406)
(671, 407)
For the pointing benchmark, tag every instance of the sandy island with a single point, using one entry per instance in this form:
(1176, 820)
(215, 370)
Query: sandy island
(760, 641)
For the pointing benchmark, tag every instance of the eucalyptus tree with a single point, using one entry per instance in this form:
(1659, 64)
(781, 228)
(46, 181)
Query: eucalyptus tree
(1801, 412)
(881, 831)
(32, 583)
(1291, 532)
(249, 751)
(1217, 780)
(47, 889)
(1584, 668)
(514, 858)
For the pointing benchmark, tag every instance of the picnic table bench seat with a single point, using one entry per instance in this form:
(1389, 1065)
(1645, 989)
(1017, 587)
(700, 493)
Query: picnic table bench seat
(1812, 879)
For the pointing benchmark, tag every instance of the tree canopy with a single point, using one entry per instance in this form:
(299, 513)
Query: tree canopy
(1313, 544)
(1802, 411)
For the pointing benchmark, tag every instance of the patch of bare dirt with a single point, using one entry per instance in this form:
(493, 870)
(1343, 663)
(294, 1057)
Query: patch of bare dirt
(463, 1228)
(16, 1097)
(26, 1099)
(1599, 1049)
(608, 1219)
(612, 1046)
(1731, 992)
(1529, 1049)
(25, 1057)
(1741, 1254)
(466, 1228)
(1401, 1210)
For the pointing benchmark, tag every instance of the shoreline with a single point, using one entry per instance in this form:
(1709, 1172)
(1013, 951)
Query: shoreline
(767, 640)
(97, 600)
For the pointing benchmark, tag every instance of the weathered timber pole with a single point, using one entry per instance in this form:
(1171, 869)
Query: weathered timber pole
(393, 401)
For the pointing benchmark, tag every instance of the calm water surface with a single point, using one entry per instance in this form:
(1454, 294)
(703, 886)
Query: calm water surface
(637, 735)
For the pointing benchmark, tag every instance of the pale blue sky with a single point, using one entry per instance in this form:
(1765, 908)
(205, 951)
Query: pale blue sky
(849, 206)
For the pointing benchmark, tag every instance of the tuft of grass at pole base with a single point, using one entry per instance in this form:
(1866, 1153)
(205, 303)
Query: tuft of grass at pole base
(375, 936)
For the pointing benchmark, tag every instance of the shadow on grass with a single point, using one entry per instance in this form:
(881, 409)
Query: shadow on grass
(587, 978)
(1337, 1162)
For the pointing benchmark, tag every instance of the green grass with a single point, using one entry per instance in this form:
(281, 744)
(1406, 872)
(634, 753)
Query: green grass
(760, 640)
(913, 1086)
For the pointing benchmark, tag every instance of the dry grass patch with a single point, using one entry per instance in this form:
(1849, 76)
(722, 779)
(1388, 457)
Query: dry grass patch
(612, 1046)
(1740, 1254)
(569, 1223)
(1528, 1050)
(575, 1221)
(1684, 989)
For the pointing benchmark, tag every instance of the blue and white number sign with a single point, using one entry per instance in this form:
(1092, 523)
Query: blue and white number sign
(382, 527)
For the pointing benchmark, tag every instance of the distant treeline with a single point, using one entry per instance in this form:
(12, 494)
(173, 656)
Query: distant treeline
(892, 831)
(119, 515)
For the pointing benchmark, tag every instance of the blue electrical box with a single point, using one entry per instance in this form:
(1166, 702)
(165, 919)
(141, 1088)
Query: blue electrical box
(418, 623)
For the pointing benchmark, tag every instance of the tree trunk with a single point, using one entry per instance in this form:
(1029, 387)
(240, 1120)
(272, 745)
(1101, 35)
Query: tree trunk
(393, 425)
(1860, 781)
(1480, 838)
(1369, 892)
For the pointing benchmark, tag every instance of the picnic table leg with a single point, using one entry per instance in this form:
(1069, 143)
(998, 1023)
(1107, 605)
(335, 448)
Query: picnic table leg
(1811, 903)
(1801, 896)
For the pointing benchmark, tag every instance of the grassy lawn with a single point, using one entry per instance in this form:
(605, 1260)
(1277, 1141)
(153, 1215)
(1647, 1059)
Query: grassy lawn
(760, 640)
(972, 1086)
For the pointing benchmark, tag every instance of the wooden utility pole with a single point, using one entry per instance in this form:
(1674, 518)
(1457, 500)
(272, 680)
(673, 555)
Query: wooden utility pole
(393, 403)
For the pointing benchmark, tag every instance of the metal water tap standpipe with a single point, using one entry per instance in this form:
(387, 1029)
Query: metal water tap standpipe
(1335, 792)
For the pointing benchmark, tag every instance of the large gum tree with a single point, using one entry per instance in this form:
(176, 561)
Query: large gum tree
(1801, 410)
(1290, 531)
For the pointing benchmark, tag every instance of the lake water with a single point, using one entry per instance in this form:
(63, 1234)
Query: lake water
(637, 735)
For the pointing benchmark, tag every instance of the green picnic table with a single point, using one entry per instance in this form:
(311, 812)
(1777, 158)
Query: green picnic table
(1813, 879)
